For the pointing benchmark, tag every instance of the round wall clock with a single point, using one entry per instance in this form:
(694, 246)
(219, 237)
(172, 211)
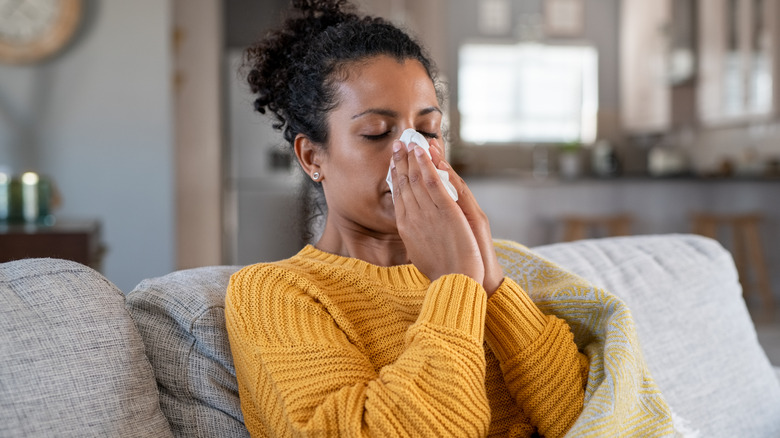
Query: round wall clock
(32, 30)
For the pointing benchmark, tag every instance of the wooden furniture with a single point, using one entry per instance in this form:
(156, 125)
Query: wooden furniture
(581, 227)
(79, 241)
(733, 57)
(737, 61)
(746, 248)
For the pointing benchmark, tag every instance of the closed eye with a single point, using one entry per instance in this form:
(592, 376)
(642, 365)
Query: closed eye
(376, 137)
(386, 133)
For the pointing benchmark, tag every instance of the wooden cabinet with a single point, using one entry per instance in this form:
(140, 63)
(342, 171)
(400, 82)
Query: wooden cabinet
(79, 241)
(737, 62)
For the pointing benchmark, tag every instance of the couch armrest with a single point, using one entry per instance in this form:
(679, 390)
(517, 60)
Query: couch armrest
(696, 333)
(72, 363)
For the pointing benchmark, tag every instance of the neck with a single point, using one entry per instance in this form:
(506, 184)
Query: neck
(381, 249)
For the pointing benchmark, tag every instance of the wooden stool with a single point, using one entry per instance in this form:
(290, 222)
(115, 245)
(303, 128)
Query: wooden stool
(578, 227)
(746, 247)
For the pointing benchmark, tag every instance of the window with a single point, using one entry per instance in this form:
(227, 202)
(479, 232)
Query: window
(518, 93)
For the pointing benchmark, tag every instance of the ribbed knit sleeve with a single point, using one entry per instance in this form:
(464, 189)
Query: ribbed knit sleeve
(301, 373)
(542, 367)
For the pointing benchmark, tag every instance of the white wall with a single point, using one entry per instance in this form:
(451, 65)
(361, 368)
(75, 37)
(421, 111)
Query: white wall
(100, 119)
(198, 131)
(262, 218)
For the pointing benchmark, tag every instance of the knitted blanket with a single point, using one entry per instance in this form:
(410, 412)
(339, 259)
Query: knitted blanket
(621, 398)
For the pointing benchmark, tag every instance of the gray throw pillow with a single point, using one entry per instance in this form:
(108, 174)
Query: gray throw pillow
(72, 363)
(181, 317)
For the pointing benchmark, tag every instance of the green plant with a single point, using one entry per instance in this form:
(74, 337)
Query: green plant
(570, 147)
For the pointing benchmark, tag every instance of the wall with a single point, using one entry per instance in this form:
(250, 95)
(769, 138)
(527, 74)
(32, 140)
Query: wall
(245, 21)
(261, 216)
(198, 131)
(98, 121)
(424, 20)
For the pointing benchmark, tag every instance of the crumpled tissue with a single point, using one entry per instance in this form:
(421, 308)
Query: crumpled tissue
(412, 136)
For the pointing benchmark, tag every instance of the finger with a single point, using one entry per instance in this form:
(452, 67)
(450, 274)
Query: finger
(480, 226)
(465, 196)
(417, 181)
(401, 187)
(398, 203)
(431, 180)
(437, 152)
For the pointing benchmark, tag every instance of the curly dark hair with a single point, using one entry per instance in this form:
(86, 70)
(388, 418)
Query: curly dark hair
(294, 72)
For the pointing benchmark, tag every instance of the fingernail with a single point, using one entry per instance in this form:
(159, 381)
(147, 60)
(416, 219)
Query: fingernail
(419, 151)
(444, 164)
(396, 146)
(410, 146)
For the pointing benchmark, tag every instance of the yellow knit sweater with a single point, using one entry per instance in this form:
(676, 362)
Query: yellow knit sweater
(326, 345)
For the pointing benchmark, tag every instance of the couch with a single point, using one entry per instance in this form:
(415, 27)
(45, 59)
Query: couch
(80, 358)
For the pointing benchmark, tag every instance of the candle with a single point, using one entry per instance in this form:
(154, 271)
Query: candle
(5, 207)
(30, 196)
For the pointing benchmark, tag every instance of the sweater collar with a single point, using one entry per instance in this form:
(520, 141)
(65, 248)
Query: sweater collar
(400, 275)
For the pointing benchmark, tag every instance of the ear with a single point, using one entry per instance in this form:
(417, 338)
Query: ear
(308, 154)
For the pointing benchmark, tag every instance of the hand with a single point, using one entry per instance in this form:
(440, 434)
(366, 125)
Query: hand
(477, 219)
(436, 233)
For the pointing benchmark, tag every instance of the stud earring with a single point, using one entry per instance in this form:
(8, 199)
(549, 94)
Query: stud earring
(315, 176)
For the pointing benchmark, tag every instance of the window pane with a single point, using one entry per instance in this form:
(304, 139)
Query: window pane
(527, 93)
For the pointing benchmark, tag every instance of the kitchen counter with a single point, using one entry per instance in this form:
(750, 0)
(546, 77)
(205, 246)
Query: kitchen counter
(528, 177)
(530, 211)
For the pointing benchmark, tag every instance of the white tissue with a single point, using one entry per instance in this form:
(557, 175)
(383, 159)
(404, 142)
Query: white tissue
(412, 136)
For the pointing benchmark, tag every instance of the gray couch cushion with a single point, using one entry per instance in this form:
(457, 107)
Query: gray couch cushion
(181, 317)
(72, 363)
(697, 336)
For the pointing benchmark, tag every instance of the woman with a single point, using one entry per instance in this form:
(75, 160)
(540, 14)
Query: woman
(399, 320)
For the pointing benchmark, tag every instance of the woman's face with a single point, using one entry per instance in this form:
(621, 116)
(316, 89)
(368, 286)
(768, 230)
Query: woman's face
(379, 100)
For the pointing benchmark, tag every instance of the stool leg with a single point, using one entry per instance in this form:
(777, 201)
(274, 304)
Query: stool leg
(574, 229)
(705, 227)
(758, 262)
(620, 226)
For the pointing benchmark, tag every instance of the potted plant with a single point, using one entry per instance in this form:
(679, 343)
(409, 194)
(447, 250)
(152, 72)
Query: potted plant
(569, 161)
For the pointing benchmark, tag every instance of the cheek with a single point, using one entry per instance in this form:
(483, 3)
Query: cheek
(363, 165)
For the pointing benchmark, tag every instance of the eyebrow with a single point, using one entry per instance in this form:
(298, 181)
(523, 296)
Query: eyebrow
(391, 113)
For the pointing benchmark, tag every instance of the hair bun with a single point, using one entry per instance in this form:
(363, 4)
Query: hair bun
(321, 7)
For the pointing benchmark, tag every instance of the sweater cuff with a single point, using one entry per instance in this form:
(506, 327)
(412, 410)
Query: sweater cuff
(456, 301)
(513, 321)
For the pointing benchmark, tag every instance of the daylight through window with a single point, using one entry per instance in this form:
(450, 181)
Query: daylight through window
(527, 93)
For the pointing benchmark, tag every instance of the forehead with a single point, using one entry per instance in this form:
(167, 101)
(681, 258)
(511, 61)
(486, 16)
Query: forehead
(385, 81)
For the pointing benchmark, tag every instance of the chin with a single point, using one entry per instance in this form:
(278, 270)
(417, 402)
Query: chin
(384, 218)
(386, 223)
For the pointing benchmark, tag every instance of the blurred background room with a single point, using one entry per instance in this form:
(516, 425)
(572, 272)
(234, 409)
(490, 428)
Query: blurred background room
(125, 127)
